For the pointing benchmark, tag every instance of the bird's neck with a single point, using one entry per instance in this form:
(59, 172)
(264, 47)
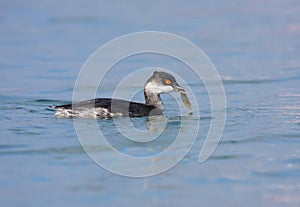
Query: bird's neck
(153, 99)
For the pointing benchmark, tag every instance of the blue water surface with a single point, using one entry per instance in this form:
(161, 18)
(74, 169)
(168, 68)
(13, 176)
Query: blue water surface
(255, 47)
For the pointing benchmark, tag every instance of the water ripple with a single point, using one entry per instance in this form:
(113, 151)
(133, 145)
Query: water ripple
(227, 80)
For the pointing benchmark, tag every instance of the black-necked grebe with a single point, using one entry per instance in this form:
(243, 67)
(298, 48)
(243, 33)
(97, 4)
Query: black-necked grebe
(158, 83)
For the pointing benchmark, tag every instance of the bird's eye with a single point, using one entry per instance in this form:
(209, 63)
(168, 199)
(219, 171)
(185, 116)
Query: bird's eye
(168, 82)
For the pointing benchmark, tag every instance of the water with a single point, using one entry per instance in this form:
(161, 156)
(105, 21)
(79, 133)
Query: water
(255, 47)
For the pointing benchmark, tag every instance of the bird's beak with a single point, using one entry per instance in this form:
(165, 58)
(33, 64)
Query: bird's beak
(178, 88)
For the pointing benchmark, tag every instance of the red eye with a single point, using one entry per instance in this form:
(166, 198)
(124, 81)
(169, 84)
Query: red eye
(168, 82)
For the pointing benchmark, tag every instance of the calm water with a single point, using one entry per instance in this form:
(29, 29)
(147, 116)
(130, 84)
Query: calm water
(255, 47)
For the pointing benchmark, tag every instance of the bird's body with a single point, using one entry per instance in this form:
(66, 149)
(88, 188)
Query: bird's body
(158, 83)
(106, 108)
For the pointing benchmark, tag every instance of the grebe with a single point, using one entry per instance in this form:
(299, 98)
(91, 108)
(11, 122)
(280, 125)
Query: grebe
(158, 83)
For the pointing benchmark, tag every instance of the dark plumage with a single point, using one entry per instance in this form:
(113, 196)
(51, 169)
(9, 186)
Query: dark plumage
(114, 106)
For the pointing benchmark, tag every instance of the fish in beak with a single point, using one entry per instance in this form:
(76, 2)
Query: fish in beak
(184, 97)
